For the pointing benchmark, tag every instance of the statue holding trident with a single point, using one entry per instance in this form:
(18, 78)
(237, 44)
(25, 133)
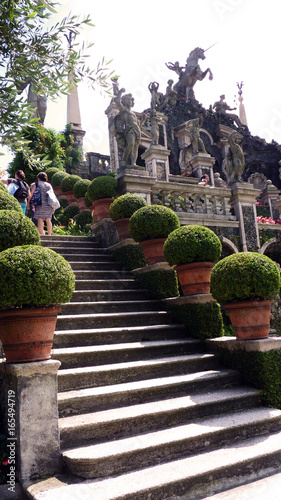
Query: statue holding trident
(126, 127)
(190, 74)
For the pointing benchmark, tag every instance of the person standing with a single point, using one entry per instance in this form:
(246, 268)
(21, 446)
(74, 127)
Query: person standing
(44, 211)
(22, 191)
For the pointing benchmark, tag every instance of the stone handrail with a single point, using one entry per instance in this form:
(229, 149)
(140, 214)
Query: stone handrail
(193, 199)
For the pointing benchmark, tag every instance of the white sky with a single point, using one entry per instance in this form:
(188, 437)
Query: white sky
(142, 36)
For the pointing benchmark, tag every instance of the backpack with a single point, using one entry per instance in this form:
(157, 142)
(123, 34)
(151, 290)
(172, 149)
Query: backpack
(22, 191)
(36, 197)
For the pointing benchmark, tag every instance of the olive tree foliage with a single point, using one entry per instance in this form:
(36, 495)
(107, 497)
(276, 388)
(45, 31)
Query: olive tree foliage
(33, 53)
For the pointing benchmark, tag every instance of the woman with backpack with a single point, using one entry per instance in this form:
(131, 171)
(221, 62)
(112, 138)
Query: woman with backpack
(43, 211)
(20, 190)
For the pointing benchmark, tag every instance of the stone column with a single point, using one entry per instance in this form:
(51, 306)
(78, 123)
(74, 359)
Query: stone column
(202, 163)
(157, 162)
(29, 391)
(243, 198)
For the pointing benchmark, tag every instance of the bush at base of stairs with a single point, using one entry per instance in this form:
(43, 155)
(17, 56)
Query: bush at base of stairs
(259, 369)
(202, 321)
(130, 257)
(162, 283)
(83, 219)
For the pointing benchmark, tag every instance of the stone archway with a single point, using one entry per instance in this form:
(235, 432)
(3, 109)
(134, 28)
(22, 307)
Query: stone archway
(272, 249)
(228, 248)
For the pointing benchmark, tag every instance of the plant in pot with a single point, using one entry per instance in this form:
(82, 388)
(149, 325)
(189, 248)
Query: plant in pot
(101, 192)
(52, 171)
(67, 185)
(79, 190)
(193, 250)
(56, 182)
(16, 229)
(122, 209)
(150, 226)
(245, 284)
(33, 281)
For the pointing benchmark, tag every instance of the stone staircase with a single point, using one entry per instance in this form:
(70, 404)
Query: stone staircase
(146, 413)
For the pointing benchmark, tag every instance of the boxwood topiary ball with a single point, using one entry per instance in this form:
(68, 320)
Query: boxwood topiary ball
(192, 244)
(83, 219)
(16, 229)
(245, 276)
(80, 188)
(9, 202)
(3, 187)
(153, 221)
(102, 187)
(67, 183)
(32, 275)
(124, 206)
(52, 171)
(57, 178)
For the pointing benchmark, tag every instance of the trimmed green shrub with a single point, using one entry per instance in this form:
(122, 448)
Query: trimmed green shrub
(16, 229)
(57, 178)
(9, 202)
(87, 200)
(259, 369)
(102, 187)
(69, 212)
(245, 276)
(130, 257)
(52, 171)
(192, 244)
(68, 182)
(83, 219)
(125, 206)
(80, 188)
(31, 275)
(153, 221)
(161, 283)
(3, 187)
(202, 321)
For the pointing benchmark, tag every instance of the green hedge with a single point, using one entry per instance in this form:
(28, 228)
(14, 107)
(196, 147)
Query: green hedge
(9, 202)
(202, 321)
(130, 257)
(102, 187)
(16, 229)
(68, 182)
(259, 369)
(125, 206)
(161, 283)
(52, 171)
(57, 178)
(83, 219)
(80, 188)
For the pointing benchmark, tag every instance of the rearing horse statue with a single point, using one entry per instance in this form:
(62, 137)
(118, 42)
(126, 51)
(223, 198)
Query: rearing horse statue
(189, 74)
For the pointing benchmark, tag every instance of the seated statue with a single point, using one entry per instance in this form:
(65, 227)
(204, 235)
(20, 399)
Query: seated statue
(221, 107)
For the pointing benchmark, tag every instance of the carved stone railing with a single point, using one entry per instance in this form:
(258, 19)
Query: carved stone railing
(213, 203)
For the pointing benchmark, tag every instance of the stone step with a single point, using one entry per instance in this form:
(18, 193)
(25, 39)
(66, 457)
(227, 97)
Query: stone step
(64, 238)
(51, 243)
(112, 320)
(108, 307)
(105, 284)
(110, 295)
(80, 430)
(97, 254)
(111, 274)
(190, 478)
(74, 338)
(81, 250)
(94, 265)
(117, 395)
(108, 354)
(117, 373)
(144, 450)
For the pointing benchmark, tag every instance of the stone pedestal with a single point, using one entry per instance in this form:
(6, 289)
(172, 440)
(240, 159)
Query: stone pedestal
(137, 182)
(29, 398)
(202, 163)
(157, 162)
(243, 198)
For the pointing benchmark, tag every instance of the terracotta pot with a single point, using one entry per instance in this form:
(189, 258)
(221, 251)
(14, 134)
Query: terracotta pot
(81, 203)
(153, 250)
(27, 334)
(194, 277)
(70, 197)
(58, 191)
(101, 208)
(250, 319)
(123, 226)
